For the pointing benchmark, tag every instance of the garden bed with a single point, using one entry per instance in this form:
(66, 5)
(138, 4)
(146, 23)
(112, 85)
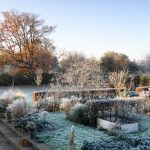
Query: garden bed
(123, 125)
(58, 139)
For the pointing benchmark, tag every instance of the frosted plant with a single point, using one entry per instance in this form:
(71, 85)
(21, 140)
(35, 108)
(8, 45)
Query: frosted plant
(48, 104)
(67, 103)
(12, 94)
(118, 80)
(43, 115)
(7, 97)
(78, 113)
(19, 108)
(74, 98)
(19, 94)
(71, 137)
(81, 75)
(85, 74)
(31, 126)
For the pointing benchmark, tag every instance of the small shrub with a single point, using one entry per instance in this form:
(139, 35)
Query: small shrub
(48, 104)
(19, 108)
(122, 142)
(79, 113)
(43, 115)
(31, 126)
(66, 104)
(52, 104)
(144, 79)
(10, 95)
(7, 97)
(115, 130)
(22, 122)
(20, 94)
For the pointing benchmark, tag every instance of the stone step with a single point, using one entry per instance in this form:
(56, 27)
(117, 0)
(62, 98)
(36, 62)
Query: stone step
(13, 136)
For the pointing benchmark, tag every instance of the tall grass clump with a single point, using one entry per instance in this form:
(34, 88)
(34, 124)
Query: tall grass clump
(10, 95)
(48, 104)
(19, 108)
(67, 103)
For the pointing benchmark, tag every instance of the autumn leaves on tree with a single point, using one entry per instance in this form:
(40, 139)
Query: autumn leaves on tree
(24, 41)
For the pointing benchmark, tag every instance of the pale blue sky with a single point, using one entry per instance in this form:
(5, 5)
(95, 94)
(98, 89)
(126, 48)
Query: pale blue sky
(93, 26)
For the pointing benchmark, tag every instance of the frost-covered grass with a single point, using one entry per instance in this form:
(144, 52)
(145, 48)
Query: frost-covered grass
(58, 139)
(144, 125)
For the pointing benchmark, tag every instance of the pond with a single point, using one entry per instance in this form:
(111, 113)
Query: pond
(58, 139)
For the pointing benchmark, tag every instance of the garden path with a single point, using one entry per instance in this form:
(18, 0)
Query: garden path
(4, 144)
(9, 140)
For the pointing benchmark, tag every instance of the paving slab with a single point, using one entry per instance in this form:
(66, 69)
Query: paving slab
(12, 137)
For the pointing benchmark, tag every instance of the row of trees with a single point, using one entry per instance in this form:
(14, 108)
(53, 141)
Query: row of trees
(25, 47)
(111, 70)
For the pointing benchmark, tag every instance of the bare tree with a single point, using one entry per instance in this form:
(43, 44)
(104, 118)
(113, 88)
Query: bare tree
(70, 59)
(84, 74)
(24, 41)
(118, 80)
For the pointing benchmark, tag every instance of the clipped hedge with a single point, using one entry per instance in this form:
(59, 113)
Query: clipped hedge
(23, 79)
(120, 143)
(107, 108)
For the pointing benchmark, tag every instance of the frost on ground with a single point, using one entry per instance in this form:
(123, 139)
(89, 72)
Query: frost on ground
(59, 138)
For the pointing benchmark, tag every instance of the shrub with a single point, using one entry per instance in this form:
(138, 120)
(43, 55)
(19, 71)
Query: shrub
(20, 94)
(43, 115)
(19, 108)
(120, 143)
(52, 104)
(78, 113)
(10, 95)
(7, 97)
(144, 79)
(106, 108)
(21, 78)
(66, 104)
(31, 126)
(22, 122)
(48, 104)
(119, 80)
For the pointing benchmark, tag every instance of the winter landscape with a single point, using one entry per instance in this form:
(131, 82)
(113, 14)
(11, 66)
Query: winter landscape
(57, 92)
